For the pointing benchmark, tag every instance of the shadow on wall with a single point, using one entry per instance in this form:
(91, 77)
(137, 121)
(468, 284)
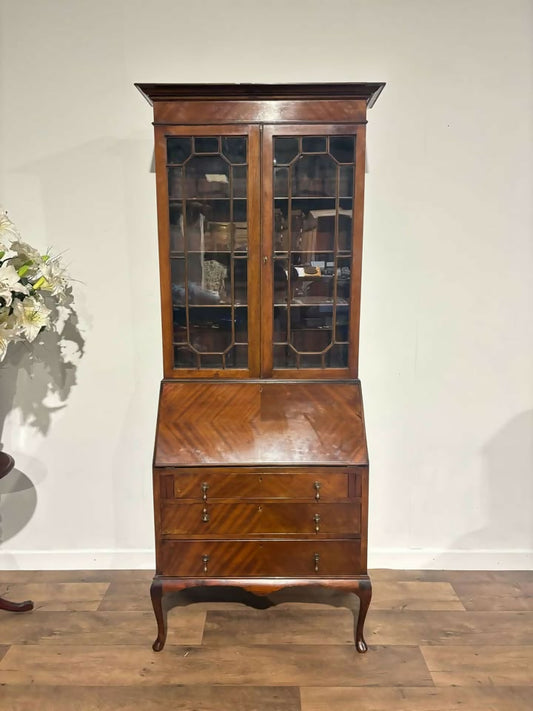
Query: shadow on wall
(507, 493)
(35, 379)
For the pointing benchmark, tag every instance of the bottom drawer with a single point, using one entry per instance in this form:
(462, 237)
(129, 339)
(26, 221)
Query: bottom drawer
(259, 558)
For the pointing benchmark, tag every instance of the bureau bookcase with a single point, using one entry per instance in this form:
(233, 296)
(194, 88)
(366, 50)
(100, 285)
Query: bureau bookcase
(260, 466)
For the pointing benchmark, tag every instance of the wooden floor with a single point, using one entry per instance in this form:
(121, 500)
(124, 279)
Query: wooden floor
(437, 640)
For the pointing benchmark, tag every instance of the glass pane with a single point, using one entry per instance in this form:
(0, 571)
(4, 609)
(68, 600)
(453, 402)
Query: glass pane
(178, 149)
(314, 175)
(208, 227)
(280, 324)
(240, 175)
(342, 148)
(207, 176)
(237, 357)
(338, 356)
(240, 281)
(284, 357)
(281, 182)
(285, 150)
(206, 144)
(175, 183)
(314, 144)
(234, 148)
(312, 238)
(346, 181)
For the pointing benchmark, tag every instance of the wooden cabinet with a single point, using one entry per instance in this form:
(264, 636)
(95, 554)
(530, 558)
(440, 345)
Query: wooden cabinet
(260, 464)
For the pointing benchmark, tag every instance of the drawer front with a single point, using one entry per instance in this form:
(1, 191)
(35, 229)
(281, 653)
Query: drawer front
(324, 483)
(247, 519)
(207, 559)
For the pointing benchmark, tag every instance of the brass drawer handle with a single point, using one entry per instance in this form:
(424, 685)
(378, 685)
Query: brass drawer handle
(205, 561)
(205, 515)
(316, 519)
(205, 487)
(317, 561)
(317, 489)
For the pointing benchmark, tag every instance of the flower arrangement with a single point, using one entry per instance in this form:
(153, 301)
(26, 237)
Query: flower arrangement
(31, 285)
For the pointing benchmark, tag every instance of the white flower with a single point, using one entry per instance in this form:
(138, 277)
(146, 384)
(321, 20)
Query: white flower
(30, 316)
(55, 277)
(8, 332)
(28, 282)
(10, 283)
(8, 231)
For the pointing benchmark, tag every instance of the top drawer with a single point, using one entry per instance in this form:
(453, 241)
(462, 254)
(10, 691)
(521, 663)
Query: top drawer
(318, 484)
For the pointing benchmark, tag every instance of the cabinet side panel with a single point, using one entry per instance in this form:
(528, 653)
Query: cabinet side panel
(364, 518)
(164, 249)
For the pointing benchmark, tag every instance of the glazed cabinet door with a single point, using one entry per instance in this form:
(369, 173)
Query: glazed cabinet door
(208, 180)
(313, 177)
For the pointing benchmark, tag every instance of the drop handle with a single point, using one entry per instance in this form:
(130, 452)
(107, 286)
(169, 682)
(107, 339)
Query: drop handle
(205, 515)
(205, 487)
(317, 561)
(205, 561)
(317, 490)
(316, 519)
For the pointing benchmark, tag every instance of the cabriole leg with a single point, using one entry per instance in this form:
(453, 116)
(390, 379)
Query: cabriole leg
(364, 593)
(156, 593)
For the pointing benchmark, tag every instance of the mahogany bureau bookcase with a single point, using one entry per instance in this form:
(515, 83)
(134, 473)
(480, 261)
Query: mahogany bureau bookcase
(260, 466)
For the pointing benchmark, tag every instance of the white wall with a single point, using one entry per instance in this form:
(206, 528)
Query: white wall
(447, 327)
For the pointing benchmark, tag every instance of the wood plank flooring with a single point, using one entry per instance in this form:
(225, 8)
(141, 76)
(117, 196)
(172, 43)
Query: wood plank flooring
(437, 640)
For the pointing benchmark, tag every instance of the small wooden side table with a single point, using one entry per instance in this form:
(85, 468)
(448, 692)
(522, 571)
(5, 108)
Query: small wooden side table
(6, 465)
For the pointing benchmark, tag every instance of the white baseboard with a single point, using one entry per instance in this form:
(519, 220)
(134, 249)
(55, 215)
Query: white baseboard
(78, 560)
(441, 559)
(396, 558)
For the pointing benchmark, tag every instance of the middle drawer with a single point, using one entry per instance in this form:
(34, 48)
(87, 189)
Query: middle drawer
(265, 518)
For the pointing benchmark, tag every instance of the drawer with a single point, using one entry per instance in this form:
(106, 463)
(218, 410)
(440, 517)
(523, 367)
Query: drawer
(248, 519)
(207, 559)
(329, 484)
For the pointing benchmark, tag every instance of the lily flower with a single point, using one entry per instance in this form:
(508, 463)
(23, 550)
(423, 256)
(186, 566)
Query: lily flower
(31, 316)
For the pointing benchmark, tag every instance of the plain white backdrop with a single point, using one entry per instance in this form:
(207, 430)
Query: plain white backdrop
(447, 327)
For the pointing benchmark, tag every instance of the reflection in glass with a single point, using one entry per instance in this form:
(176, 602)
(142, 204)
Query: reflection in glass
(342, 148)
(313, 180)
(285, 150)
(314, 175)
(207, 176)
(206, 144)
(234, 149)
(240, 174)
(281, 182)
(314, 144)
(208, 231)
(178, 149)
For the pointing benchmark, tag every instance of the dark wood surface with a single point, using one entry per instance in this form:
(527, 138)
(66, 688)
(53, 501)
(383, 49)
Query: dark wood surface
(318, 484)
(237, 519)
(267, 423)
(367, 92)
